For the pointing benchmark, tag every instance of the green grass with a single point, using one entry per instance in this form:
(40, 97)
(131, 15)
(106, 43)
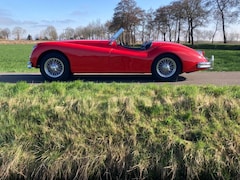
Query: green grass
(14, 58)
(119, 131)
(225, 60)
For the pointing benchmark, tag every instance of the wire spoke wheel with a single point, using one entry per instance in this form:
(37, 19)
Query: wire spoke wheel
(166, 67)
(54, 67)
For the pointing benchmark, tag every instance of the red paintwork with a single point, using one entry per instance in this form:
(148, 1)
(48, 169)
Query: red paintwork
(99, 56)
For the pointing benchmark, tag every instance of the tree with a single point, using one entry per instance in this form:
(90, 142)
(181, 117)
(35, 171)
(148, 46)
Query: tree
(78, 33)
(227, 12)
(67, 34)
(29, 37)
(97, 30)
(161, 20)
(4, 33)
(150, 24)
(18, 32)
(215, 30)
(128, 16)
(164, 19)
(94, 30)
(50, 33)
(178, 14)
(196, 14)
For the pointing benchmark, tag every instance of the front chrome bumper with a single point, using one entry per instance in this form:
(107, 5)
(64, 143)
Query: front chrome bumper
(206, 65)
(29, 64)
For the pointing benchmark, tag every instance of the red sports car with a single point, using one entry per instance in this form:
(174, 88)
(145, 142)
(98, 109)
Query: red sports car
(59, 60)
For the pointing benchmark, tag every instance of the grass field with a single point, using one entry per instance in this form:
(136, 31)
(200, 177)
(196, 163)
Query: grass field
(225, 60)
(119, 131)
(14, 57)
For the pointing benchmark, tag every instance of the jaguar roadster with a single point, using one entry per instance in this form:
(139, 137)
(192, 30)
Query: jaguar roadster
(59, 60)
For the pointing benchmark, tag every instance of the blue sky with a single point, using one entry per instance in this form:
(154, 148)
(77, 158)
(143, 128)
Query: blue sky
(35, 16)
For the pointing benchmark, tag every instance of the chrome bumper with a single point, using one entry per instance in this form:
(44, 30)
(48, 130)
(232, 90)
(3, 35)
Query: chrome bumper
(206, 65)
(29, 64)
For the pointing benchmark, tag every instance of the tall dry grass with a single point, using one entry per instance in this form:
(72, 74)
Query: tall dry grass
(2, 41)
(119, 131)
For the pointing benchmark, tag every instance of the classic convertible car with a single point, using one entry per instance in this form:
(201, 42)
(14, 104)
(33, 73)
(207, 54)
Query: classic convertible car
(60, 59)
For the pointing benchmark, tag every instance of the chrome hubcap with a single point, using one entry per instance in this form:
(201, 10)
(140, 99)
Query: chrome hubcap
(54, 67)
(166, 67)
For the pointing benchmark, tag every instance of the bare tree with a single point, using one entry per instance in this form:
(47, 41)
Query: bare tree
(165, 21)
(196, 15)
(67, 34)
(128, 16)
(98, 30)
(94, 30)
(87, 32)
(50, 33)
(215, 30)
(142, 25)
(4, 33)
(179, 15)
(150, 24)
(78, 33)
(227, 11)
(18, 32)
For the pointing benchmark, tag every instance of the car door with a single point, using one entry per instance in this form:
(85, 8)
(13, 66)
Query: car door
(91, 58)
(129, 60)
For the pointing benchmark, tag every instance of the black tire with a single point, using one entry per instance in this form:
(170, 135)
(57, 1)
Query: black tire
(166, 68)
(55, 67)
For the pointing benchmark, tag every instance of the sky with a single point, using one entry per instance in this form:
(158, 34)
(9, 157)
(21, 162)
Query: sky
(35, 16)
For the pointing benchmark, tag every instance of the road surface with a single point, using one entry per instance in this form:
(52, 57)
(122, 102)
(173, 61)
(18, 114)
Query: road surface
(195, 78)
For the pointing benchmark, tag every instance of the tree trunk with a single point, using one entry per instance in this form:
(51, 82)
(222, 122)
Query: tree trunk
(164, 36)
(143, 31)
(170, 34)
(223, 28)
(179, 31)
(191, 32)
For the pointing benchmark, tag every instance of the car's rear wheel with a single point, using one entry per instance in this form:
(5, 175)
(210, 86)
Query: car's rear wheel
(55, 67)
(166, 68)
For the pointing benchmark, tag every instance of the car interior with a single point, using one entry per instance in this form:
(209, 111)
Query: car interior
(145, 46)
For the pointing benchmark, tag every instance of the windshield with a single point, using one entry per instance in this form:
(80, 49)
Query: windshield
(116, 35)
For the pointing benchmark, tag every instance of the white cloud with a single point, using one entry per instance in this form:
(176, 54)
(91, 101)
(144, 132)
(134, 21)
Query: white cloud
(78, 13)
(6, 21)
(4, 12)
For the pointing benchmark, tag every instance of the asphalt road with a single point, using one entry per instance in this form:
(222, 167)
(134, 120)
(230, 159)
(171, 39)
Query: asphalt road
(195, 78)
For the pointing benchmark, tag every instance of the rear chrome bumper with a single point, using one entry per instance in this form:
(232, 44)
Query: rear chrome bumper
(206, 65)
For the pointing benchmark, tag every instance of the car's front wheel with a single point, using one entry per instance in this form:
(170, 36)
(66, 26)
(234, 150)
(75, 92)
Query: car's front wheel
(55, 67)
(166, 68)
